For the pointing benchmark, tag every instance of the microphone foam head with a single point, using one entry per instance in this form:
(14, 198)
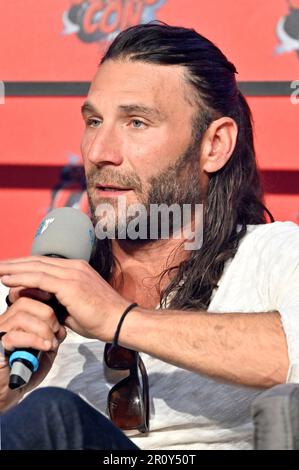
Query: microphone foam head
(65, 232)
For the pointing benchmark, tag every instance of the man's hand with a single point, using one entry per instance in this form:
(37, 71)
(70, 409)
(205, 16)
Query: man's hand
(28, 323)
(94, 307)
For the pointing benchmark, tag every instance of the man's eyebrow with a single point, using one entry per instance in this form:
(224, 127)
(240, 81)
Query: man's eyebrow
(140, 108)
(126, 109)
(88, 107)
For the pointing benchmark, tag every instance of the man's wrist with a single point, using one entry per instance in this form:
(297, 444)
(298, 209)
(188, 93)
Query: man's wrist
(137, 326)
(122, 318)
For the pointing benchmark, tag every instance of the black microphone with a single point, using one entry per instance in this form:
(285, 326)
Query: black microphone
(63, 233)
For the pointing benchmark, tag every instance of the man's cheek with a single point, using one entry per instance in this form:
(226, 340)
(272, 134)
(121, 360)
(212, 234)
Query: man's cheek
(84, 147)
(86, 144)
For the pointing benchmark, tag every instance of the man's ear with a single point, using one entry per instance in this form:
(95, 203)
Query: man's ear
(218, 144)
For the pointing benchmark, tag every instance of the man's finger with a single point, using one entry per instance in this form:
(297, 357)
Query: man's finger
(43, 281)
(29, 323)
(20, 339)
(28, 259)
(36, 267)
(36, 308)
(42, 259)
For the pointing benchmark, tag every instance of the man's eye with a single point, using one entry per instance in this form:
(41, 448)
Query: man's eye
(137, 124)
(92, 122)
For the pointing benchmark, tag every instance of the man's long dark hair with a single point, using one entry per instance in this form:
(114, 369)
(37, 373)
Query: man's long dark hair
(235, 196)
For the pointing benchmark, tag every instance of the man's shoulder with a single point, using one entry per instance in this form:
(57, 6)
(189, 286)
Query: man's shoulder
(269, 241)
(265, 251)
(274, 233)
(277, 227)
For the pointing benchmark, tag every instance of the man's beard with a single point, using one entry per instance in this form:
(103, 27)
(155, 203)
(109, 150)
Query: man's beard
(178, 184)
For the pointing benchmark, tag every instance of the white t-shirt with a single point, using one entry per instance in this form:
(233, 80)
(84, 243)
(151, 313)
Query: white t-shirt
(187, 410)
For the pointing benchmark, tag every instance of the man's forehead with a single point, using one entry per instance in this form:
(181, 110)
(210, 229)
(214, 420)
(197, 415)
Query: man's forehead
(127, 67)
(159, 82)
(152, 85)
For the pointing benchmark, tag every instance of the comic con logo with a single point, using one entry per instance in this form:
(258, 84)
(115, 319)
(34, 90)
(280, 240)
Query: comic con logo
(102, 20)
(288, 30)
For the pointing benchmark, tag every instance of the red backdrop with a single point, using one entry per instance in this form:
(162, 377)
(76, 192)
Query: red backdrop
(41, 134)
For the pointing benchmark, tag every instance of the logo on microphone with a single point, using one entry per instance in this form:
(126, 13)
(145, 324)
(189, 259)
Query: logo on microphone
(287, 31)
(102, 20)
(43, 226)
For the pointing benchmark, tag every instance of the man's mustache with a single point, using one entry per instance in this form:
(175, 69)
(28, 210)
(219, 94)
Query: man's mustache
(97, 178)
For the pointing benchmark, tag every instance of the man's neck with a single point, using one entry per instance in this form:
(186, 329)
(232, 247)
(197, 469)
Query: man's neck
(137, 272)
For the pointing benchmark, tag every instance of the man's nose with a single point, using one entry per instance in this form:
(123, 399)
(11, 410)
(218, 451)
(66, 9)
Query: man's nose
(104, 147)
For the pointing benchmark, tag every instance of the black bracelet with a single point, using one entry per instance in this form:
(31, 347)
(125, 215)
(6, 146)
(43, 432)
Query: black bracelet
(116, 335)
(8, 302)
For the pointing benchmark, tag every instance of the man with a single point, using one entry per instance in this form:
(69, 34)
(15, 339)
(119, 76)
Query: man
(165, 123)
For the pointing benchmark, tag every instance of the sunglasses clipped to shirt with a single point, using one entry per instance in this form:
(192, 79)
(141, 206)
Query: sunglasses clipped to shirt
(128, 400)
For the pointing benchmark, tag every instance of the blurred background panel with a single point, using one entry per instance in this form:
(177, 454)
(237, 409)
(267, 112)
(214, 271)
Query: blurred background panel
(63, 39)
(49, 51)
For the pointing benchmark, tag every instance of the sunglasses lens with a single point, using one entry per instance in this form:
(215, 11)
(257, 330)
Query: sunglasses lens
(125, 404)
(117, 357)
